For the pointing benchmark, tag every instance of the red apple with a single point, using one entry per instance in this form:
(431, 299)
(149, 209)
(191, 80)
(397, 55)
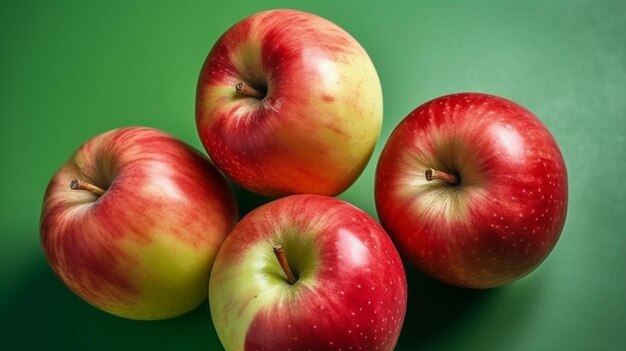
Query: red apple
(308, 272)
(473, 189)
(133, 221)
(287, 103)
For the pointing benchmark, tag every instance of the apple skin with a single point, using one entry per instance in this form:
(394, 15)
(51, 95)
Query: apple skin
(351, 291)
(506, 214)
(316, 127)
(144, 249)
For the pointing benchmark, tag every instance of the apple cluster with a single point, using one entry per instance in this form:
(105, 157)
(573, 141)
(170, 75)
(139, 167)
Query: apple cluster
(471, 188)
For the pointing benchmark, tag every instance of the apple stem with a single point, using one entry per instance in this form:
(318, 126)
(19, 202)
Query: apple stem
(247, 90)
(282, 260)
(78, 184)
(435, 174)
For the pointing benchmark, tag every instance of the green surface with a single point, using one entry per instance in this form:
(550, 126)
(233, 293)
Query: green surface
(71, 70)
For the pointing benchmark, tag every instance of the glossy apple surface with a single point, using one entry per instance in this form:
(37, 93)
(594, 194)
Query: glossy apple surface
(288, 102)
(144, 248)
(350, 291)
(503, 209)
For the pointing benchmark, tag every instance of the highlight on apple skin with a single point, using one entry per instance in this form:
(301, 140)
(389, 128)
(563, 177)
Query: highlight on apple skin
(133, 221)
(472, 188)
(308, 272)
(288, 102)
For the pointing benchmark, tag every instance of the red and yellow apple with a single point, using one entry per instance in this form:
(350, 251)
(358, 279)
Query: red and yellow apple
(288, 102)
(473, 189)
(308, 272)
(133, 221)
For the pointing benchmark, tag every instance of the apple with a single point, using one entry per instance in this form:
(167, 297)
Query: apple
(287, 103)
(308, 272)
(472, 188)
(133, 221)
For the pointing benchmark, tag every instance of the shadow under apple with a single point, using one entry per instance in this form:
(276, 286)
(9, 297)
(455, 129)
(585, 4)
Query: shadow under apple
(441, 316)
(246, 200)
(43, 314)
(436, 309)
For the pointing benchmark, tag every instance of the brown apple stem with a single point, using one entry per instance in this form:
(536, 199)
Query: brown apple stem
(78, 184)
(282, 260)
(247, 90)
(435, 174)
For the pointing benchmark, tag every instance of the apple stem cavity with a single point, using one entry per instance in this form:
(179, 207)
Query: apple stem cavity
(78, 184)
(451, 178)
(248, 90)
(282, 260)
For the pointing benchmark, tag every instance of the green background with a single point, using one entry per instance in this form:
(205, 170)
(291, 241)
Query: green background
(71, 70)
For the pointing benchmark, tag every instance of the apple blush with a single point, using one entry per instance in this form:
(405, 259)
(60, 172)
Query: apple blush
(472, 188)
(288, 102)
(308, 272)
(132, 222)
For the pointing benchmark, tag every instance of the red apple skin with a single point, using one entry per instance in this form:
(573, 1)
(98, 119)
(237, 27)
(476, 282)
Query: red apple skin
(351, 292)
(144, 249)
(317, 126)
(508, 211)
